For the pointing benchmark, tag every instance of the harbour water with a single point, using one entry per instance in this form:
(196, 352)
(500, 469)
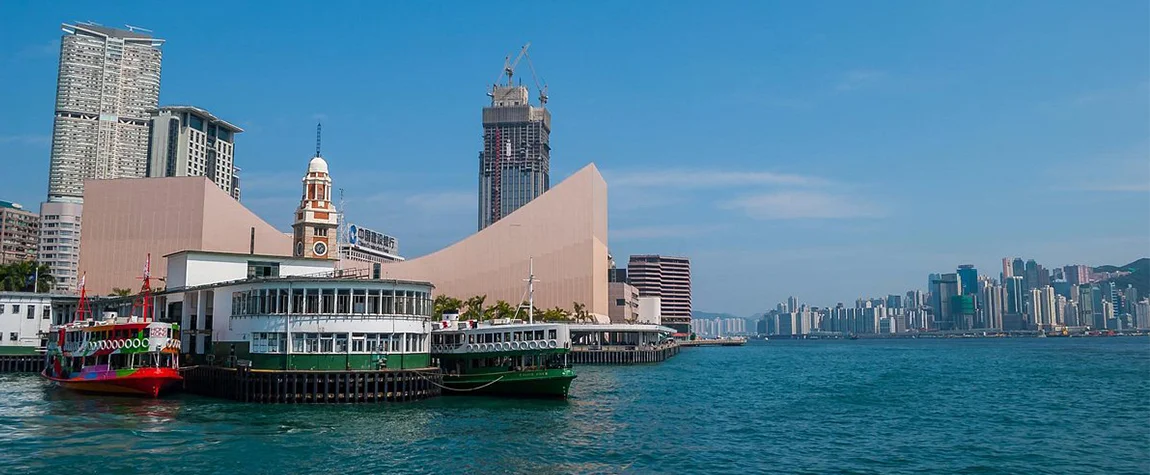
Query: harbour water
(1054, 405)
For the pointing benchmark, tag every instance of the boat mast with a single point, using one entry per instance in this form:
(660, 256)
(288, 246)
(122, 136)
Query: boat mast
(83, 307)
(530, 290)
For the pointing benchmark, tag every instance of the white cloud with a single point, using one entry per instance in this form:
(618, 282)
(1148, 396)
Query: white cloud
(696, 178)
(860, 78)
(802, 205)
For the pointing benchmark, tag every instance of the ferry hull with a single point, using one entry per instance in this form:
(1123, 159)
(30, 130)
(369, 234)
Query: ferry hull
(144, 382)
(552, 385)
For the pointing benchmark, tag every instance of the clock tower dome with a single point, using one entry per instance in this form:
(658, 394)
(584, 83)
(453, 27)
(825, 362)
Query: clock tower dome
(316, 221)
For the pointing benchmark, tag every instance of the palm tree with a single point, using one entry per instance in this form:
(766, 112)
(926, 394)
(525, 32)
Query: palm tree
(121, 292)
(475, 310)
(502, 309)
(581, 314)
(444, 304)
(20, 276)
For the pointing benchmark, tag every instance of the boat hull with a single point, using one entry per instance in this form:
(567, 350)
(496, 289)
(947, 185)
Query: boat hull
(143, 382)
(548, 384)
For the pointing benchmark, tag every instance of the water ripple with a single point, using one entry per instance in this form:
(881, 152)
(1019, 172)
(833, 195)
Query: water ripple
(852, 407)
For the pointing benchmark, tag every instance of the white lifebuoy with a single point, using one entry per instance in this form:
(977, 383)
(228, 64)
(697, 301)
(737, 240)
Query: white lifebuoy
(533, 345)
(551, 344)
(133, 344)
(103, 344)
(117, 344)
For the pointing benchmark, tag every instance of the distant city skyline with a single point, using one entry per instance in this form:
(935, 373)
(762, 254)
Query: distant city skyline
(784, 148)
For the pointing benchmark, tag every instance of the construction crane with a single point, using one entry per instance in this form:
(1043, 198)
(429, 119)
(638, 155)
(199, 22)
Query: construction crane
(539, 85)
(509, 71)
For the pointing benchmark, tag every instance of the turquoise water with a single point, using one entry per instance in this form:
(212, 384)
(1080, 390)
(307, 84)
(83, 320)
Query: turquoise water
(1079, 405)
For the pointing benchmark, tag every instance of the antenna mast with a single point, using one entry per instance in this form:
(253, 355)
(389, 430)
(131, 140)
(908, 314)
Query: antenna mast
(318, 130)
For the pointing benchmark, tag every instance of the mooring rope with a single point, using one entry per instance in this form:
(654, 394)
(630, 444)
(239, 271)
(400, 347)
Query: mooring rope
(459, 390)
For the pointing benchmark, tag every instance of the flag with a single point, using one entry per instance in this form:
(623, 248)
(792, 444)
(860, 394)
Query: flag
(148, 266)
(82, 278)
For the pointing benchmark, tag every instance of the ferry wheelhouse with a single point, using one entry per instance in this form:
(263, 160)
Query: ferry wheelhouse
(126, 355)
(503, 357)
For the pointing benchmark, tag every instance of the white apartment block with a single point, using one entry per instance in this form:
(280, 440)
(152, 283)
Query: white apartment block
(108, 81)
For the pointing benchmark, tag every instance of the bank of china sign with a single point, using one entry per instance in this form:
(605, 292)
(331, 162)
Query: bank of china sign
(367, 239)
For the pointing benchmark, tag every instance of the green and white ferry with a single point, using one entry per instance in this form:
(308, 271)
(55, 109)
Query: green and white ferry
(503, 357)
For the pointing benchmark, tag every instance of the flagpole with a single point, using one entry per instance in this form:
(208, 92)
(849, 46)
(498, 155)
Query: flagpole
(36, 280)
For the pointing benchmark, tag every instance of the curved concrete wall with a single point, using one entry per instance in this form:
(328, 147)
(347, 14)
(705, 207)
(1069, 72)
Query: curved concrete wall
(564, 230)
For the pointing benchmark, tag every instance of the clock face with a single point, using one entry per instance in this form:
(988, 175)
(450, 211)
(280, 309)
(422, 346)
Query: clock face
(299, 248)
(320, 248)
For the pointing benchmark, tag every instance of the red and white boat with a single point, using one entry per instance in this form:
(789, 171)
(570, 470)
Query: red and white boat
(131, 355)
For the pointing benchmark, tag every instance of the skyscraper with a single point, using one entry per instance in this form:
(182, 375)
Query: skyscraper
(968, 279)
(943, 288)
(515, 164)
(1014, 295)
(1007, 268)
(109, 80)
(668, 278)
(991, 305)
(189, 141)
(1030, 275)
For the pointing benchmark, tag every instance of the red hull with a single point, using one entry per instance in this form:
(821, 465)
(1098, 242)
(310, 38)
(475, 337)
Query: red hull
(146, 382)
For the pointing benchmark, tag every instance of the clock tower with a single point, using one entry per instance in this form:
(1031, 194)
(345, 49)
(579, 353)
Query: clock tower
(316, 221)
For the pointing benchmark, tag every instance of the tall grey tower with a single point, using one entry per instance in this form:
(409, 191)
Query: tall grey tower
(515, 164)
(109, 80)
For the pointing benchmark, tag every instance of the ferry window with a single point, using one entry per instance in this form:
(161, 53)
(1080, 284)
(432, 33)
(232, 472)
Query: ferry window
(297, 343)
(357, 342)
(498, 337)
(258, 269)
(359, 301)
(371, 343)
(471, 339)
(311, 343)
(312, 297)
(506, 336)
(297, 301)
(13, 336)
(326, 342)
(236, 306)
(16, 310)
(373, 303)
(1, 308)
(31, 312)
(343, 301)
(517, 336)
(263, 299)
(528, 335)
(341, 343)
(283, 305)
(551, 334)
(328, 303)
(388, 302)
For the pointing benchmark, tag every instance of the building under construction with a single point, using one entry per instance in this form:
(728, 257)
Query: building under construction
(515, 164)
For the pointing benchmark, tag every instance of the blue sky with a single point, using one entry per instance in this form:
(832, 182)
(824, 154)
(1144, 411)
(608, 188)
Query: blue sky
(828, 150)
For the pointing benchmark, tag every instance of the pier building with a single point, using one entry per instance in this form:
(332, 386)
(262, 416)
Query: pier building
(295, 313)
